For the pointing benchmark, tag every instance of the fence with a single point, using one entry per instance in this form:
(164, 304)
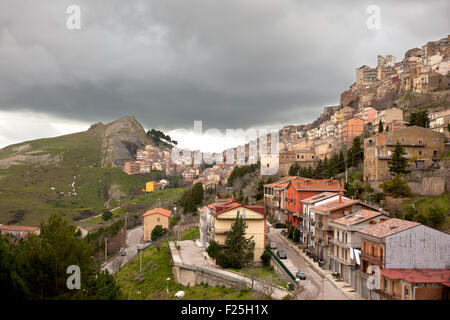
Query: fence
(281, 264)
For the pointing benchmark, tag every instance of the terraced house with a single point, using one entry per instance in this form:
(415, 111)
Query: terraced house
(346, 239)
(327, 212)
(400, 244)
(216, 221)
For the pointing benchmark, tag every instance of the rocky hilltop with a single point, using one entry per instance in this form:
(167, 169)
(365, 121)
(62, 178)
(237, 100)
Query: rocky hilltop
(119, 140)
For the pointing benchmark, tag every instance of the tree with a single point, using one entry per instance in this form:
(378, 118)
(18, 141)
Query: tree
(213, 249)
(238, 250)
(397, 187)
(260, 190)
(107, 215)
(157, 232)
(380, 126)
(197, 194)
(41, 262)
(265, 257)
(296, 235)
(398, 163)
(355, 154)
(420, 119)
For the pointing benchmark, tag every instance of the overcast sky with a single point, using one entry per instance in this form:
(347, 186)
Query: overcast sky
(231, 64)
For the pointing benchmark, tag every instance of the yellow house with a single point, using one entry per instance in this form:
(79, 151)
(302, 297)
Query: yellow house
(154, 217)
(223, 215)
(151, 186)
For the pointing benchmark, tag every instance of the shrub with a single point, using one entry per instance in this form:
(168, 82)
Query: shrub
(421, 218)
(265, 257)
(296, 235)
(436, 216)
(397, 187)
(158, 232)
(107, 215)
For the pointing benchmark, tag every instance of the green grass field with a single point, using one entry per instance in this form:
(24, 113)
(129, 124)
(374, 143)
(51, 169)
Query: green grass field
(31, 193)
(443, 201)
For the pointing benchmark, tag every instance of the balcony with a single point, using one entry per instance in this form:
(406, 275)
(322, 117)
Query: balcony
(339, 243)
(387, 295)
(222, 231)
(323, 227)
(341, 260)
(371, 258)
(407, 144)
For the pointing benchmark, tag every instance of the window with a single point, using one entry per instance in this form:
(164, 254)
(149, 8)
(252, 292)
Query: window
(385, 284)
(420, 152)
(373, 250)
(243, 213)
(157, 219)
(406, 291)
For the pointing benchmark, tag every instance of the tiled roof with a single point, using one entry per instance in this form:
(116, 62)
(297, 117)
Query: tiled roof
(334, 205)
(319, 197)
(19, 228)
(162, 211)
(316, 184)
(221, 208)
(418, 275)
(357, 217)
(388, 227)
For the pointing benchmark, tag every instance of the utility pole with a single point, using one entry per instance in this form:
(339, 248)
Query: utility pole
(323, 288)
(140, 259)
(106, 249)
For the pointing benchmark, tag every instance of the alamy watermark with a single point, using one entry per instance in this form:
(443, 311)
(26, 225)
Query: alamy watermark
(73, 281)
(258, 149)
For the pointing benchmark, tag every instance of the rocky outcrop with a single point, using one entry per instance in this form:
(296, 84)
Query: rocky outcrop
(114, 195)
(30, 159)
(120, 140)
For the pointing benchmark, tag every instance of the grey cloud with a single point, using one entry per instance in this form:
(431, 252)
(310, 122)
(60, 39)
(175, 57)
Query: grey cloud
(169, 62)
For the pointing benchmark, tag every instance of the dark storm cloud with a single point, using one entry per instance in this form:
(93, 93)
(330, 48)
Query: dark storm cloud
(228, 63)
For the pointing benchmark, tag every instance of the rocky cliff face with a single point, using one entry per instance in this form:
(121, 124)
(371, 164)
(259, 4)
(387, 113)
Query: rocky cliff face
(120, 140)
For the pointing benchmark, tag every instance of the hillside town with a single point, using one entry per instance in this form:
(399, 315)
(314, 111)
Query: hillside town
(339, 220)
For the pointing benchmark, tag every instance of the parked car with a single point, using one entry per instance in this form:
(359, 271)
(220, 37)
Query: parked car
(279, 225)
(281, 254)
(273, 245)
(301, 275)
(123, 253)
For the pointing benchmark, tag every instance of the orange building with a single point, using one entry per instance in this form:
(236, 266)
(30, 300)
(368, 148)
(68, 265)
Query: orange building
(302, 188)
(351, 129)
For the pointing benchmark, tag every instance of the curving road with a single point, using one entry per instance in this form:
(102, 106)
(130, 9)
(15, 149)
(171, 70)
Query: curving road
(316, 287)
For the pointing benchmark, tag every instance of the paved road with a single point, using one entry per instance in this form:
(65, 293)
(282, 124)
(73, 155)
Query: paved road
(134, 237)
(316, 288)
(191, 254)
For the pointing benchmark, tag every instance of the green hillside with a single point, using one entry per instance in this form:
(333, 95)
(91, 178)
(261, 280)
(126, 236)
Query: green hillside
(33, 188)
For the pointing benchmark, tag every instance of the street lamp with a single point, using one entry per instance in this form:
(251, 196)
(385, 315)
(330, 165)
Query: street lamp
(167, 287)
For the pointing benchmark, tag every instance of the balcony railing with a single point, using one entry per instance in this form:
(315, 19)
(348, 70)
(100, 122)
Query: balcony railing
(407, 144)
(339, 243)
(371, 258)
(323, 227)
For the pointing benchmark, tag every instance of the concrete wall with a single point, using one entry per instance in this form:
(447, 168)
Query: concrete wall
(418, 247)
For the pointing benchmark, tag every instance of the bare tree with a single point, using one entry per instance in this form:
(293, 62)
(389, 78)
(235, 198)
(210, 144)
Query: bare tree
(268, 286)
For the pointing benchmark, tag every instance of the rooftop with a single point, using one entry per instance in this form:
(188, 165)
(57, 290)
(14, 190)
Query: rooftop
(334, 205)
(162, 211)
(319, 197)
(357, 217)
(19, 228)
(418, 275)
(388, 227)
